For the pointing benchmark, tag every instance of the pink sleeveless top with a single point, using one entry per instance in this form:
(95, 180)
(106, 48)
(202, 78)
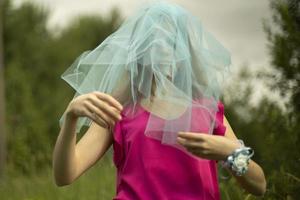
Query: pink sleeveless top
(148, 170)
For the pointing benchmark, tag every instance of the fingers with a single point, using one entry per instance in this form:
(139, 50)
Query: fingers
(191, 136)
(194, 142)
(109, 99)
(96, 119)
(111, 111)
(98, 115)
(189, 143)
(195, 147)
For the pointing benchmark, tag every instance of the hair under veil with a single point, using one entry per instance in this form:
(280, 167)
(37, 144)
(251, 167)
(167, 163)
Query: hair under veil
(161, 46)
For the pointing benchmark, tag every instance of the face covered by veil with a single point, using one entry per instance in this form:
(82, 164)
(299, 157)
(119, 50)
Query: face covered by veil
(160, 54)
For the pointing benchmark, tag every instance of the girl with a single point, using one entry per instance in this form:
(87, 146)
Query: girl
(151, 90)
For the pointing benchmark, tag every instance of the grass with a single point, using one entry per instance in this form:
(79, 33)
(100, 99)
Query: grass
(96, 183)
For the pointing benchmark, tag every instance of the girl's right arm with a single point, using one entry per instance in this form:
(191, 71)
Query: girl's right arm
(64, 155)
(70, 160)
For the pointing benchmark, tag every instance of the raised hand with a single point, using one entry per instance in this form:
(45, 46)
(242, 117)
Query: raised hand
(100, 107)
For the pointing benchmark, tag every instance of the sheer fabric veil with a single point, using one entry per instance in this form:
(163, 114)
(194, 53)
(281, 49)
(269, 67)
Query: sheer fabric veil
(162, 53)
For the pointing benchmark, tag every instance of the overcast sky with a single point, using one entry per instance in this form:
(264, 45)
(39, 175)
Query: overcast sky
(237, 24)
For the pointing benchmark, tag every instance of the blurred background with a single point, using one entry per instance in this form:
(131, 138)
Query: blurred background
(41, 38)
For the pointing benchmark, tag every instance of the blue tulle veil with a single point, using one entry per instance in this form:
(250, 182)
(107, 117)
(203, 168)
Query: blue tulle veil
(161, 55)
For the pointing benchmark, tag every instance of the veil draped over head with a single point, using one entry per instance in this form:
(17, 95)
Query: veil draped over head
(160, 53)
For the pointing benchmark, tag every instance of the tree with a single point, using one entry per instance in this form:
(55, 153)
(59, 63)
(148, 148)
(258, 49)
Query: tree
(2, 98)
(35, 58)
(284, 46)
(282, 160)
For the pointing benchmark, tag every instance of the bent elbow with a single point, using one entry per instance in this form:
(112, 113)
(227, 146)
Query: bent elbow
(261, 190)
(61, 182)
(61, 178)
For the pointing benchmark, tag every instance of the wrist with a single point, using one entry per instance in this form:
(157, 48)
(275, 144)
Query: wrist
(231, 147)
(70, 116)
(238, 161)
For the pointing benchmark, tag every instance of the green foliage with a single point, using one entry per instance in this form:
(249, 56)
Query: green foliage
(284, 46)
(283, 156)
(36, 96)
(97, 183)
(23, 56)
(271, 131)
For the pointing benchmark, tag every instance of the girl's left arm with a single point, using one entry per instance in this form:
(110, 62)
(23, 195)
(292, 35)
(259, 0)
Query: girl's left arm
(254, 179)
(217, 147)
